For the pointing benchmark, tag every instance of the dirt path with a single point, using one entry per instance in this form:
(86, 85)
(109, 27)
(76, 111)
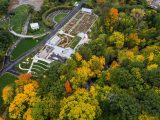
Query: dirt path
(36, 4)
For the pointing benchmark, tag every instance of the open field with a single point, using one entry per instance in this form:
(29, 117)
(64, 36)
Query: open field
(23, 47)
(6, 79)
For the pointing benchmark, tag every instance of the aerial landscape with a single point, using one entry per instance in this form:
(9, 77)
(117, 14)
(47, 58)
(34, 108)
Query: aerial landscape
(79, 59)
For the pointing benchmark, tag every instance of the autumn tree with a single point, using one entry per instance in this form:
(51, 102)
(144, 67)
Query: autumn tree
(68, 87)
(111, 19)
(118, 39)
(1, 118)
(80, 105)
(26, 95)
(8, 94)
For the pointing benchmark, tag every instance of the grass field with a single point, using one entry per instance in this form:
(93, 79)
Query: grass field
(23, 47)
(6, 79)
(19, 18)
(58, 18)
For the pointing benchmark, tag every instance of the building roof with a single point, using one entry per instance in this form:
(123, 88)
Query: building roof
(34, 25)
(87, 10)
(63, 52)
(54, 40)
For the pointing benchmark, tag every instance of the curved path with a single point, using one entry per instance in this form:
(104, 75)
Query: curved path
(27, 36)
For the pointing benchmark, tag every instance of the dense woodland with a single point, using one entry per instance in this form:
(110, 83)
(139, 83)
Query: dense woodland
(114, 77)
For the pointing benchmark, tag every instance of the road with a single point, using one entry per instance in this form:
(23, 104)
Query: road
(9, 67)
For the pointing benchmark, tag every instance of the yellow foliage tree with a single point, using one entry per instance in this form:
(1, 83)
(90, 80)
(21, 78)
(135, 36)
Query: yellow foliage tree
(118, 39)
(114, 64)
(17, 106)
(140, 58)
(79, 106)
(27, 115)
(151, 57)
(152, 66)
(26, 95)
(108, 75)
(78, 56)
(134, 37)
(7, 94)
(97, 65)
(145, 116)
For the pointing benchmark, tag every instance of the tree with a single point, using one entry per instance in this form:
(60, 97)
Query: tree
(78, 56)
(97, 65)
(118, 39)
(80, 105)
(145, 116)
(7, 94)
(68, 87)
(134, 39)
(3, 6)
(122, 78)
(152, 77)
(138, 15)
(123, 106)
(150, 101)
(46, 107)
(111, 19)
(26, 96)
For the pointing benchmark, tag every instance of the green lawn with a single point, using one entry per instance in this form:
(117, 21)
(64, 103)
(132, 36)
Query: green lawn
(19, 18)
(6, 79)
(58, 18)
(23, 47)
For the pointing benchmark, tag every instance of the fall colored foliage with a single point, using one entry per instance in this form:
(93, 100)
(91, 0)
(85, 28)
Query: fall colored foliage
(7, 94)
(1, 118)
(68, 87)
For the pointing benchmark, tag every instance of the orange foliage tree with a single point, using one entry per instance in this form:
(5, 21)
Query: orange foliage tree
(112, 18)
(23, 79)
(1, 118)
(68, 87)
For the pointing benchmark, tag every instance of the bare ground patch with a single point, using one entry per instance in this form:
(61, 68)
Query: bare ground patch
(36, 4)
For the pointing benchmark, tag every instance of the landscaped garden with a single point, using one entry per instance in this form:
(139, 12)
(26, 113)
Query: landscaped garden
(6, 79)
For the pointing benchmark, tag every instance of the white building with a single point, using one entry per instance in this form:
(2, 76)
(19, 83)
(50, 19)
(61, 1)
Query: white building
(87, 10)
(63, 52)
(54, 41)
(34, 26)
